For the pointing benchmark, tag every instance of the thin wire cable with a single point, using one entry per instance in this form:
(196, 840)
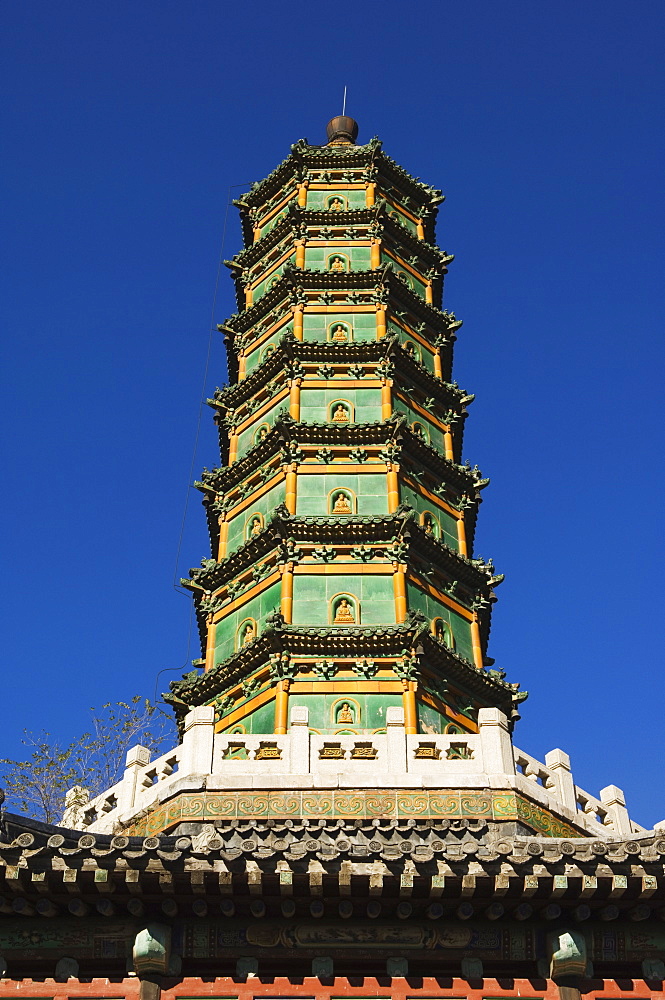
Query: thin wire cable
(203, 387)
(197, 435)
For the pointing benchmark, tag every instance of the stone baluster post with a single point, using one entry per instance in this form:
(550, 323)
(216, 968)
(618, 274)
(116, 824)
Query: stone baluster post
(198, 741)
(495, 742)
(615, 800)
(137, 758)
(299, 733)
(396, 739)
(564, 787)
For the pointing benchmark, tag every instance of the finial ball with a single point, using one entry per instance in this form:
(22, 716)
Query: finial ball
(342, 129)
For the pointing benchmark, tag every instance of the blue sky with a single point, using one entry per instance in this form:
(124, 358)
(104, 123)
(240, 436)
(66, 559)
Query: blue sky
(127, 126)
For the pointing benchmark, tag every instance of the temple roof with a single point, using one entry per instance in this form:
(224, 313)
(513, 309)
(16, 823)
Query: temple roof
(371, 155)
(473, 857)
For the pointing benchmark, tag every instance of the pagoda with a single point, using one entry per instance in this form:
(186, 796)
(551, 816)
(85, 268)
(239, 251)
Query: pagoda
(346, 814)
(342, 580)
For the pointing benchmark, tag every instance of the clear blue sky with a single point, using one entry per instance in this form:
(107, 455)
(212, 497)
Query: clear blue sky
(126, 124)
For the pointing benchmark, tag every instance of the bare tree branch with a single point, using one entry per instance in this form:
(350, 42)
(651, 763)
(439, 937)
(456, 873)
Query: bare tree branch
(94, 760)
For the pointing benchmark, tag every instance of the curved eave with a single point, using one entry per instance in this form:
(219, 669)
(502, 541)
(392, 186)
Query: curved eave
(370, 281)
(328, 641)
(378, 530)
(350, 435)
(326, 352)
(304, 156)
(47, 850)
(317, 219)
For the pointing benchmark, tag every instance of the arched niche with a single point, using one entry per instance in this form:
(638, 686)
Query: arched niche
(336, 203)
(261, 433)
(344, 609)
(442, 631)
(254, 525)
(340, 411)
(340, 333)
(345, 712)
(338, 262)
(430, 524)
(342, 501)
(267, 351)
(413, 349)
(421, 430)
(247, 631)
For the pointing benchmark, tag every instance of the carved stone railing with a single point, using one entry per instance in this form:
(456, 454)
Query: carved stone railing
(394, 759)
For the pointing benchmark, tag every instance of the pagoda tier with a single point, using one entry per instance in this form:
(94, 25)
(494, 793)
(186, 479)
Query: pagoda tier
(342, 578)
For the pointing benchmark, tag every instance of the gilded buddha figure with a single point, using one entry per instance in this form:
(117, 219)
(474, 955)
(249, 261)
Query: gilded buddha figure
(337, 264)
(336, 205)
(255, 527)
(339, 334)
(345, 714)
(341, 504)
(344, 613)
(248, 633)
(341, 414)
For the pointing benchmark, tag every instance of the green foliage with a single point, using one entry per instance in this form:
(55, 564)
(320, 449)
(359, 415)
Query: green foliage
(95, 760)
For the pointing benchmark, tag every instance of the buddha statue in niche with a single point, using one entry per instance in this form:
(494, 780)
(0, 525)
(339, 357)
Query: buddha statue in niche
(428, 525)
(339, 335)
(337, 264)
(248, 633)
(344, 613)
(345, 714)
(255, 528)
(341, 414)
(341, 504)
(336, 205)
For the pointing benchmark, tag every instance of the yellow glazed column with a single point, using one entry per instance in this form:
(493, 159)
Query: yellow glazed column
(300, 254)
(380, 321)
(375, 255)
(370, 194)
(429, 294)
(302, 194)
(475, 642)
(281, 707)
(223, 537)
(393, 489)
(297, 322)
(399, 590)
(461, 536)
(233, 447)
(242, 366)
(386, 401)
(291, 490)
(420, 229)
(448, 442)
(438, 371)
(410, 711)
(294, 399)
(286, 601)
(210, 646)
